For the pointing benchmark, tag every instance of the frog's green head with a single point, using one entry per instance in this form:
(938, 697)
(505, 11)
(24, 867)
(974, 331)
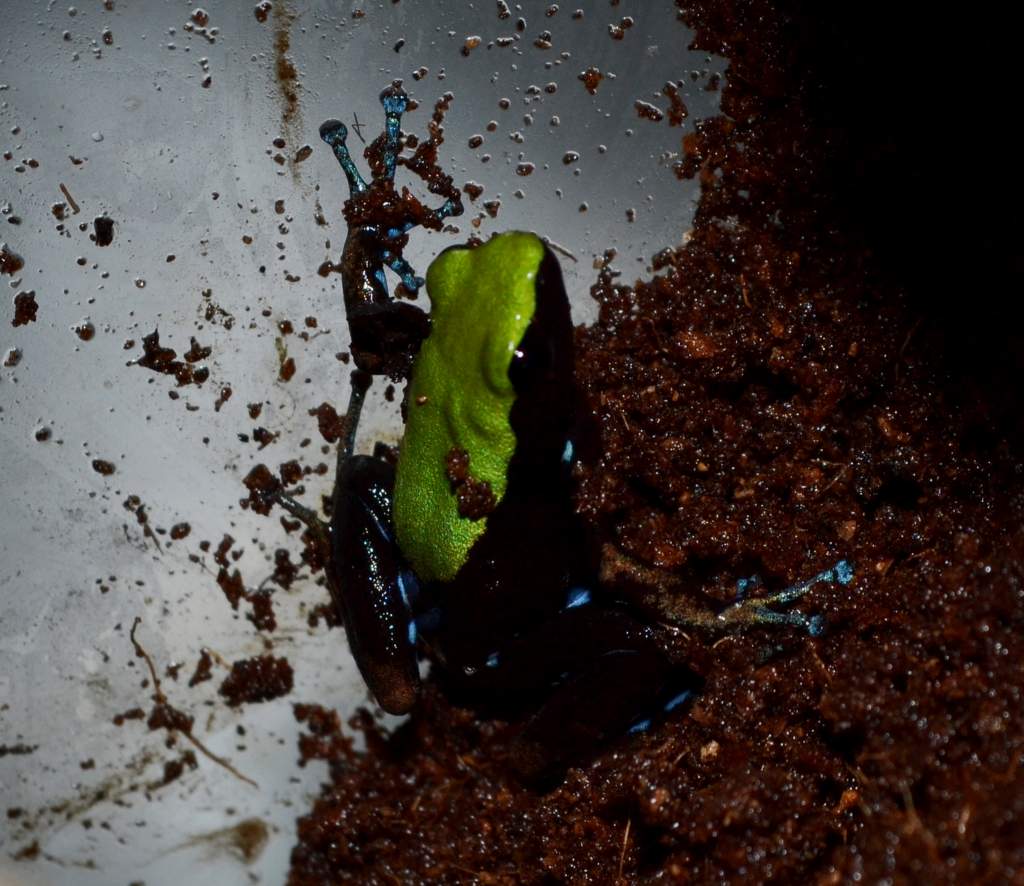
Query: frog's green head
(460, 395)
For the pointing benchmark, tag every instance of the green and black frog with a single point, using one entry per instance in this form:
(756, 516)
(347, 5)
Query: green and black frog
(466, 547)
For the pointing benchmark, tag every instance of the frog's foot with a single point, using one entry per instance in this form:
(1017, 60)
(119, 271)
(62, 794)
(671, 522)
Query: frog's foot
(745, 585)
(762, 611)
(334, 133)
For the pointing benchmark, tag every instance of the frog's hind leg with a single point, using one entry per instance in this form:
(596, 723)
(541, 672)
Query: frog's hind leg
(334, 133)
(599, 670)
(370, 585)
(761, 611)
(618, 689)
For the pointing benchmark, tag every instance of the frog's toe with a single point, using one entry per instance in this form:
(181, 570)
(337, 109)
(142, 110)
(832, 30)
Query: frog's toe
(411, 284)
(394, 100)
(333, 132)
(745, 585)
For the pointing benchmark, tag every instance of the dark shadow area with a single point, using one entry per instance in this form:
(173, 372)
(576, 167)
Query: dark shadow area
(922, 107)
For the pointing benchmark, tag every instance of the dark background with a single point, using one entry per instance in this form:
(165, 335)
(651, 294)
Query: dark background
(928, 165)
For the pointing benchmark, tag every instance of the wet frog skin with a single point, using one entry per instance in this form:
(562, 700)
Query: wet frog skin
(468, 547)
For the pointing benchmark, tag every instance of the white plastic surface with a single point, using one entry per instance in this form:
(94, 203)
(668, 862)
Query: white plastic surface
(154, 146)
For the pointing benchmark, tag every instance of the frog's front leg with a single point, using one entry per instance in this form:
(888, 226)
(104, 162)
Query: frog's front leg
(370, 584)
(436, 217)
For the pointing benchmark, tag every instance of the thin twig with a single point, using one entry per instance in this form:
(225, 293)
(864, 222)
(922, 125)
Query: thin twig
(357, 127)
(71, 200)
(161, 699)
(625, 846)
(557, 247)
(905, 345)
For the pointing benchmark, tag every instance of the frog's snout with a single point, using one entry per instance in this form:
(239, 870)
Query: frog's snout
(333, 132)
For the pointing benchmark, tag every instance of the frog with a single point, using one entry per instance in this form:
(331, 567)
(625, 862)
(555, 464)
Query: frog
(465, 547)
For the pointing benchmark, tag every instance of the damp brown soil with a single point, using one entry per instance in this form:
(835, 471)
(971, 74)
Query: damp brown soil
(772, 398)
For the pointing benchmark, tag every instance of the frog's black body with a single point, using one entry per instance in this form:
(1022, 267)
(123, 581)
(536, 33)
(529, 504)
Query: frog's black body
(512, 627)
(515, 576)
